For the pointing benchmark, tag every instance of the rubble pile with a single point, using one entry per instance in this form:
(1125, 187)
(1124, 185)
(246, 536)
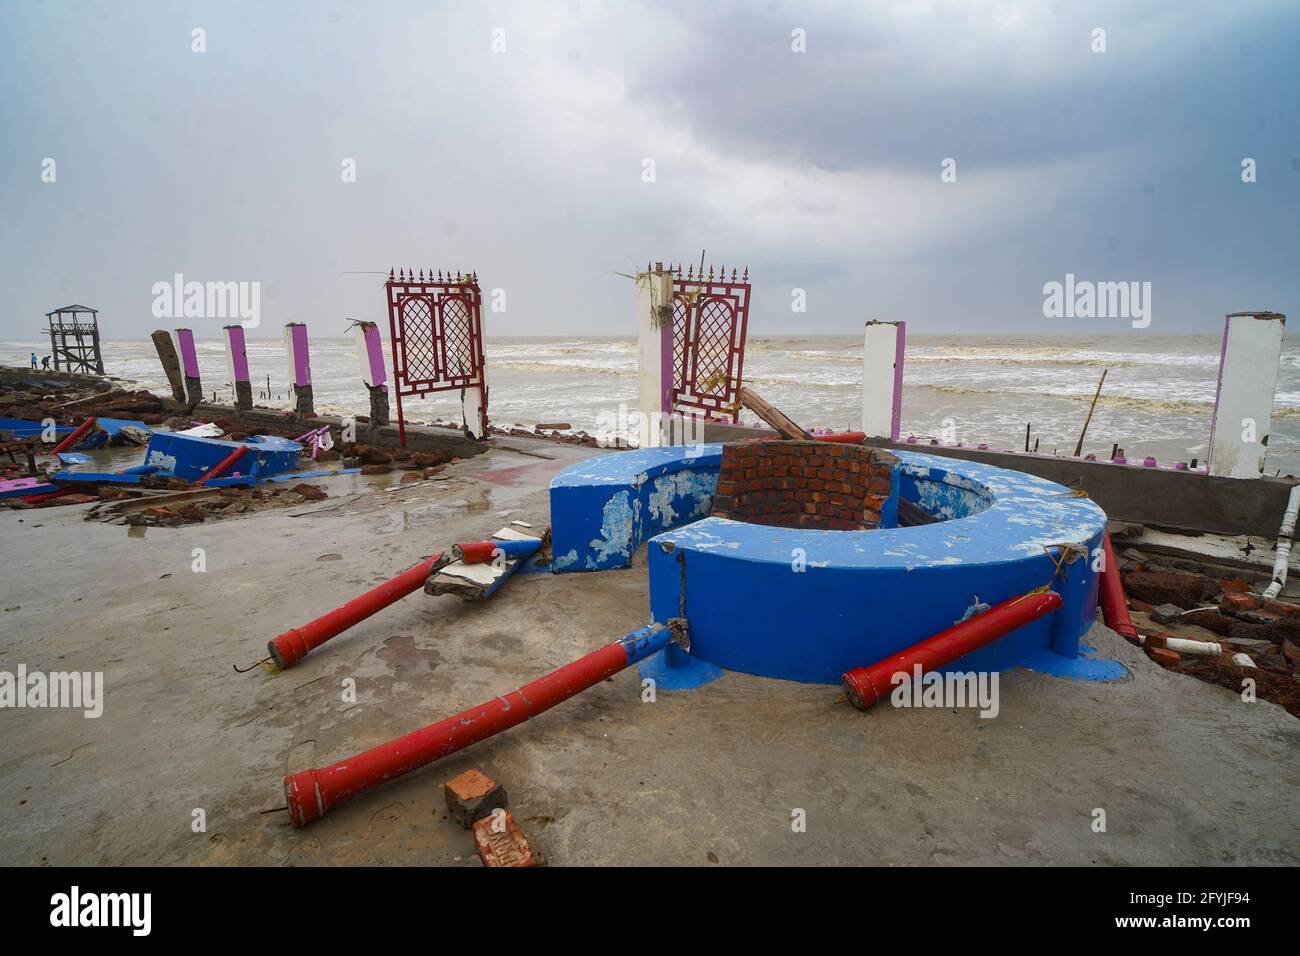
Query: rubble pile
(205, 505)
(373, 460)
(1257, 638)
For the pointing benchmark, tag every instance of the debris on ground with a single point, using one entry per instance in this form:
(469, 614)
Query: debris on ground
(1213, 628)
(501, 843)
(202, 504)
(473, 795)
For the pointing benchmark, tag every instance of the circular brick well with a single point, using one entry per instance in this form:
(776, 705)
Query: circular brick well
(804, 484)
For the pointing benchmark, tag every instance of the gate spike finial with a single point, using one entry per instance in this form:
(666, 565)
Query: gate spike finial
(733, 274)
(710, 272)
(458, 276)
(390, 275)
(690, 270)
(745, 278)
(421, 275)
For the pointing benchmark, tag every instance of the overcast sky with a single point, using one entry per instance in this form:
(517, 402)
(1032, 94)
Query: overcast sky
(819, 170)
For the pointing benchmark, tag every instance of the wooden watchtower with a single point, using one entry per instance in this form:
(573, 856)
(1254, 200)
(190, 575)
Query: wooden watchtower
(74, 338)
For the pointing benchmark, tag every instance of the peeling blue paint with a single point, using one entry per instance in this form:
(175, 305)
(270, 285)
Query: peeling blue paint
(604, 508)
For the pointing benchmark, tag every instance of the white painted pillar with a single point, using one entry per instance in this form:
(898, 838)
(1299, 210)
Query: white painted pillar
(882, 378)
(654, 345)
(1243, 406)
(475, 417)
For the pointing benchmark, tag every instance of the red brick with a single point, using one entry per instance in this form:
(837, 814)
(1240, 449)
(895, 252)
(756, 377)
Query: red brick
(501, 843)
(1163, 656)
(473, 795)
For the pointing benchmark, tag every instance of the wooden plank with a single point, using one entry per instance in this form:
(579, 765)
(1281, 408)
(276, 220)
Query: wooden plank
(765, 410)
(171, 363)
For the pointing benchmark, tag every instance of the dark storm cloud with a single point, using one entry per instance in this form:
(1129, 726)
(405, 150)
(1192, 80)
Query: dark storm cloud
(817, 169)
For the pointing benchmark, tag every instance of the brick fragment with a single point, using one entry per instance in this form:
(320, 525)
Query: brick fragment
(473, 795)
(500, 842)
(1163, 656)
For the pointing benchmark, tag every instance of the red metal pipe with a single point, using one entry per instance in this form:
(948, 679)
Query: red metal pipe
(294, 644)
(1114, 606)
(310, 793)
(46, 496)
(475, 552)
(866, 685)
(844, 438)
(75, 436)
(221, 466)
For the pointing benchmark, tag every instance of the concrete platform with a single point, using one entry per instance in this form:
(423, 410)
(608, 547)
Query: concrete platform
(1186, 772)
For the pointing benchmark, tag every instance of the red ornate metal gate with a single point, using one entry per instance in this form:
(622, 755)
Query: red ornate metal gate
(436, 330)
(710, 319)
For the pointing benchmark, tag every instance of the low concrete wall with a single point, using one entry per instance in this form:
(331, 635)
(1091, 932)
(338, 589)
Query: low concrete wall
(277, 421)
(1183, 500)
(24, 374)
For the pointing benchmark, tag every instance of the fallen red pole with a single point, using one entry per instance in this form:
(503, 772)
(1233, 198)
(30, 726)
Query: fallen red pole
(294, 644)
(844, 438)
(46, 496)
(866, 685)
(312, 792)
(1114, 606)
(76, 435)
(222, 465)
(481, 552)
(474, 552)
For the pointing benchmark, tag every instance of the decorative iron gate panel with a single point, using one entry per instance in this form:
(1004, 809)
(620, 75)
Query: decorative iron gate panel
(710, 320)
(436, 331)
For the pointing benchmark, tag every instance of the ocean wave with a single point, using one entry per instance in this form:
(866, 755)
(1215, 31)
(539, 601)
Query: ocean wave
(563, 367)
(1189, 406)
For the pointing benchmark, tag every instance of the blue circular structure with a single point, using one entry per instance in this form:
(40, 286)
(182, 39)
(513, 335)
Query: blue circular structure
(807, 604)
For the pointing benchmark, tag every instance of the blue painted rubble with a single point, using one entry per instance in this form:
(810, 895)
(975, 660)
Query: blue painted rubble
(190, 457)
(23, 428)
(604, 508)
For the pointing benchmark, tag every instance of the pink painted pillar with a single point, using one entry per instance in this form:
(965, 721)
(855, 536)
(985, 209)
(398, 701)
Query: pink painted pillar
(295, 343)
(237, 358)
(370, 350)
(189, 365)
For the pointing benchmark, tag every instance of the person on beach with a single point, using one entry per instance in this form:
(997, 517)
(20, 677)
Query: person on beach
(45, 362)
(33, 360)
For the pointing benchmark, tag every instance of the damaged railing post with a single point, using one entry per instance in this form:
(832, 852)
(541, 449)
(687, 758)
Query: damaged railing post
(224, 465)
(311, 793)
(370, 350)
(866, 685)
(77, 434)
(171, 363)
(237, 357)
(184, 340)
(1114, 606)
(294, 644)
(295, 344)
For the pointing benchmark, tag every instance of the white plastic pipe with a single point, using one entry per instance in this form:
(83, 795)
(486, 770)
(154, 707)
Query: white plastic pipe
(1194, 648)
(1283, 558)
